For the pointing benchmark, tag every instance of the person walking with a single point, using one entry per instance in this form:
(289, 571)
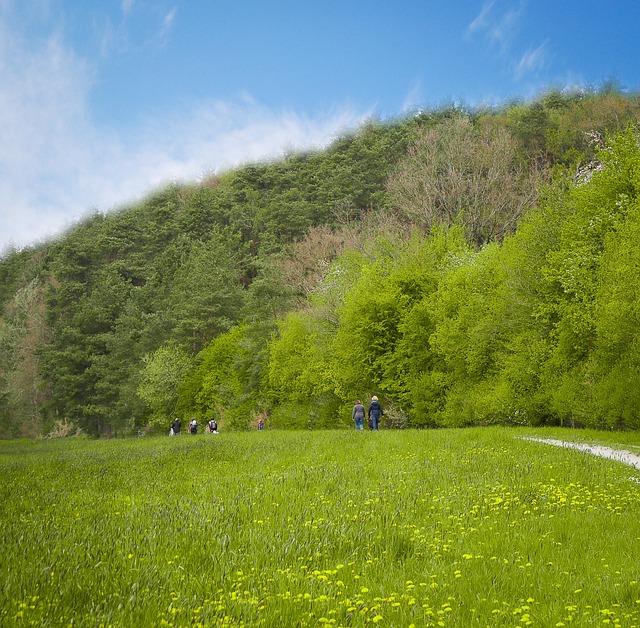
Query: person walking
(375, 413)
(176, 425)
(358, 415)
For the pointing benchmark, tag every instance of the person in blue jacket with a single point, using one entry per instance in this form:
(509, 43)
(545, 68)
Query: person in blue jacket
(374, 413)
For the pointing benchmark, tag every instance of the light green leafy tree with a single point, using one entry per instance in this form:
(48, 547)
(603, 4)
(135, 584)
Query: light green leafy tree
(596, 210)
(226, 382)
(299, 385)
(162, 375)
(382, 345)
(613, 367)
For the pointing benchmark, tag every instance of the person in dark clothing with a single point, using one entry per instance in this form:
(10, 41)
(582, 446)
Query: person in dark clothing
(176, 425)
(358, 415)
(374, 413)
(213, 426)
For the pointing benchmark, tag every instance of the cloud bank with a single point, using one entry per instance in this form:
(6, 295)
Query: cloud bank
(57, 164)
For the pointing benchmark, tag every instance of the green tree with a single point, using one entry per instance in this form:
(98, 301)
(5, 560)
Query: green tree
(22, 329)
(207, 297)
(382, 343)
(227, 380)
(163, 373)
(298, 384)
(596, 207)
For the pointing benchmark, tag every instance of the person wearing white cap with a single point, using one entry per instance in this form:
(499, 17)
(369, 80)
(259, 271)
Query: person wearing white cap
(374, 413)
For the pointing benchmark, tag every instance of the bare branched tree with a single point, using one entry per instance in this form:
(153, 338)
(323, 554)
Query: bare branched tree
(311, 258)
(458, 172)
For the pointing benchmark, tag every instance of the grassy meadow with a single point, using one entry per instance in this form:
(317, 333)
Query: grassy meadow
(474, 527)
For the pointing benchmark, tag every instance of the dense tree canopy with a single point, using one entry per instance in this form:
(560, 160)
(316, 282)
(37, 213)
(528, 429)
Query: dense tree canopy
(468, 267)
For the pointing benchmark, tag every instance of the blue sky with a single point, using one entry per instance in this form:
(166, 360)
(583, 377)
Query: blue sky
(103, 100)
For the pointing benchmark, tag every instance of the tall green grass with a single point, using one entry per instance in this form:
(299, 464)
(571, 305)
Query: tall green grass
(431, 528)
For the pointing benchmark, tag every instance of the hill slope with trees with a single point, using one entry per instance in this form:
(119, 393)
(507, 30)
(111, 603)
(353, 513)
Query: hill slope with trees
(467, 266)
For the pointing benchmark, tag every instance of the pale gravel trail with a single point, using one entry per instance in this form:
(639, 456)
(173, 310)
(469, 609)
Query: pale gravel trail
(621, 455)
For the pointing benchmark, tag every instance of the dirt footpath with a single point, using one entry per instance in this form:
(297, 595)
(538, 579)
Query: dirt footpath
(621, 455)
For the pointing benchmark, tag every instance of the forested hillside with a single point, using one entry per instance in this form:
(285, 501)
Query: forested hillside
(467, 266)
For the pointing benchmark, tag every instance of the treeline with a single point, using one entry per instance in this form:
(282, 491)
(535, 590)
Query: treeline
(468, 267)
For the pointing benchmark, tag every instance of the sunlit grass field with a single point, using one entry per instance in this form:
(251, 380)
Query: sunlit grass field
(397, 528)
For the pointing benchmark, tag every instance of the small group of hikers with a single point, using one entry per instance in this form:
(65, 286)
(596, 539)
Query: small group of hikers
(176, 426)
(374, 413)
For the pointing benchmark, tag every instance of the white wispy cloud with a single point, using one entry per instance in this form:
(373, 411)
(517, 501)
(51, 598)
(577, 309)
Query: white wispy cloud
(166, 25)
(481, 21)
(43, 87)
(56, 163)
(502, 27)
(414, 97)
(167, 20)
(532, 61)
(498, 25)
(136, 27)
(126, 5)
